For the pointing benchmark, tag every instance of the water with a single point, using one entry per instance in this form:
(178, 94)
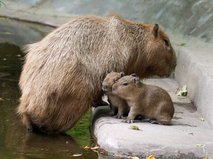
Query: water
(14, 141)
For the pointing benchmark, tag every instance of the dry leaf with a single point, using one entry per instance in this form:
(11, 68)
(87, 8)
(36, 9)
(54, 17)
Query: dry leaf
(133, 157)
(182, 44)
(199, 145)
(1, 99)
(134, 127)
(7, 33)
(182, 91)
(94, 148)
(151, 157)
(202, 119)
(77, 155)
(86, 147)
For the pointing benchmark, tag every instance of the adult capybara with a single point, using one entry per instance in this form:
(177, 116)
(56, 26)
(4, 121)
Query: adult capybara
(63, 72)
(118, 106)
(151, 102)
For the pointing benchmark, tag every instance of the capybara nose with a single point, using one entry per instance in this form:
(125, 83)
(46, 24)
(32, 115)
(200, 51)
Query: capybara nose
(104, 87)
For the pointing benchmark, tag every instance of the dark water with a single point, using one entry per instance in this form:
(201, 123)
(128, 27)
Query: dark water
(15, 143)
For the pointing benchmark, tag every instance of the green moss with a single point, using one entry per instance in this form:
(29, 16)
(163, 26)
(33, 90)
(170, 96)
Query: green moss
(80, 132)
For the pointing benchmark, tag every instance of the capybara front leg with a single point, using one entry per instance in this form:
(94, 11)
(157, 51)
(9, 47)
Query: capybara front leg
(120, 114)
(132, 115)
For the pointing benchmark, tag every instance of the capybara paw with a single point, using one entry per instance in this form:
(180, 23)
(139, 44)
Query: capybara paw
(117, 116)
(122, 117)
(154, 122)
(128, 121)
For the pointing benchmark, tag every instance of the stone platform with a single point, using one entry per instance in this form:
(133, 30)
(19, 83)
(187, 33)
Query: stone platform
(189, 136)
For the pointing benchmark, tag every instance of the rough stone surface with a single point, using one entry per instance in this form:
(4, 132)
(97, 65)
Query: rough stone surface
(21, 33)
(188, 135)
(191, 17)
(195, 69)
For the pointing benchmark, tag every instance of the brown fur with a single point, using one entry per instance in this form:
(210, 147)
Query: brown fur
(62, 74)
(149, 101)
(114, 100)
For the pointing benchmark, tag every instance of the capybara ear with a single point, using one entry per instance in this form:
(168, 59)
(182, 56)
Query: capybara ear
(155, 30)
(122, 74)
(136, 80)
(134, 75)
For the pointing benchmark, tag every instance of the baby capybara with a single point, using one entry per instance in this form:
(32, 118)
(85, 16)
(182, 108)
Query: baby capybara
(116, 103)
(151, 102)
(62, 73)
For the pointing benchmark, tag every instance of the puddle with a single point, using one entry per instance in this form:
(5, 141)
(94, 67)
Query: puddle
(14, 141)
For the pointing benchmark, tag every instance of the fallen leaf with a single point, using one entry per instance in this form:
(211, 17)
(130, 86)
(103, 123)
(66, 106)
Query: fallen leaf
(94, 148)
(1, 99)
(7, 33)
(199, 145)
(77, 155)
(151, 157)
(182, 44)
(133, 157)
(202, 119)
(134, 127)
(86, 147)
(182, 91)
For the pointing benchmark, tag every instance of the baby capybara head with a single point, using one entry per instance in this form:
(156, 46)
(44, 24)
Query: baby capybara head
(110, 79)
(126, 86)
(160, 58)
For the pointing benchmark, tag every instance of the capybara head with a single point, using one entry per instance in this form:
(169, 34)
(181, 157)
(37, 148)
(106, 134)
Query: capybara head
(126, 86)
(160, 58)
(110, 79)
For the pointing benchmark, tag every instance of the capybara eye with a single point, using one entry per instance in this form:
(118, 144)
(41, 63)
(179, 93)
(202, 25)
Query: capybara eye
(133, 75)
(166, 42)
(125, 84)
(122, 74)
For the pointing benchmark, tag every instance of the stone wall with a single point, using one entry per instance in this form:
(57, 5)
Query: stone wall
(188, 17)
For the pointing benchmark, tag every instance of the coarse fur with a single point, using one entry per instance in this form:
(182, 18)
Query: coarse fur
(151, 102)
(115, 101)
(62, 73)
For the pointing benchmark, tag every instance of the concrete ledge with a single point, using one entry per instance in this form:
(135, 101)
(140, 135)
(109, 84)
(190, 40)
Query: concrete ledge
(195, 69)
(188, 136)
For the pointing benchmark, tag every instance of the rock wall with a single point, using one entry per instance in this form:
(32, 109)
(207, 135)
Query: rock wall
(188, 17)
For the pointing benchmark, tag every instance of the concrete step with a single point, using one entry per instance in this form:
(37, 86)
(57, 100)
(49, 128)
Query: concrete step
(189, 136)
(195, 69)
